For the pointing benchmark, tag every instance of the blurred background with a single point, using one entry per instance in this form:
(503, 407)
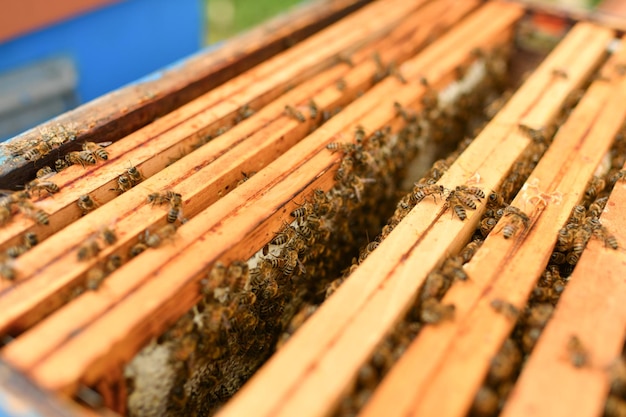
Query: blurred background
(55, 55)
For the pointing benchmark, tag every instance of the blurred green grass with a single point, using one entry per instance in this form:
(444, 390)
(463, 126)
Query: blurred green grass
(229, 17)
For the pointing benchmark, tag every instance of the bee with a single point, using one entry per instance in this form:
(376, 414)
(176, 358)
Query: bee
(108, 235)
(421, 191)
(467, 253)
(137, 249)
(333, 146)
(333, 286)
(539, 315)
(581, 237)
(610, 241)
(294, 113)
(29, 240)
(134, 175)
(434, 312)
(176, 209)
(458, 202)
(291, 261)
(595, 187)
(578, 214)
(313, 110)
(577, 353)
(505, 308)
(284, 237)
(29, 210)
(88, 250)
(619, 176)
(97, 149)
(237, 275)
(95, 276)
(530, 338)
(86, 204)
(341, 84)
(113, 262)
(345, 58)
(153, 240)
(40, 185)
(72, 158)
(162, 198)
(470, 190)
(124, 184)
(7, 271)
(486, 225)
(42, 149)
(45, 172)
(5, 214)
(494, 200)
(565, 239)
(517, 217)
(453, 268)
(300, 212)
(505, 363)
(434, 285)
(243, 113)
(486, 402)
(595, 209)
(557, 258)
(61, 164)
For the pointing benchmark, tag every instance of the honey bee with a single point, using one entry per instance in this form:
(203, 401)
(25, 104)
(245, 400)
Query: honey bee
(341, 84)
(475, 192)
(487, 225)
(95, 276)
(29, 240)
(529, 338)
(434, 285)
(162, 198)
(73, 158)
(517, 218)
(505, 363)
(236, 275)
(300, 212)
(108, 235)
(581, 236)
(294, 113)
(421, 191)
(45, 172)
(88, 250)
(243, 113)
(578, 214)
(333, 286)
(29, 210)
(176, 209)
(434, 312)
(61, 164)
(86, 203)
(565, 239)
(134, 175)
(453, 268)
(313, 110)
(137, 249)
(113, 262)
(40, 185)
(595, 187)
(467, 253)
(291, 261)
(7, 271)
(595, 209)
(577, 353)
(505, 308)
(124, 184)
(458, 202)
(495, 200)
(284, 237)
(97, 149)
(153, 240)
(42, 149)
(557, 258)
(486, 402)
(610, 241)
(5, 214)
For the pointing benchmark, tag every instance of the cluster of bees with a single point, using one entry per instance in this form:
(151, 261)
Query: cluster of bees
(250, 308)
(582, 225)
(49, 138)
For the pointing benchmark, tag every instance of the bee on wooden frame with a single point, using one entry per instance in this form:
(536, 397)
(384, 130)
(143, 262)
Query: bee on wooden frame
(86, 203)
(97, 149)
(38, 185)
(516, 218)
(294, 113)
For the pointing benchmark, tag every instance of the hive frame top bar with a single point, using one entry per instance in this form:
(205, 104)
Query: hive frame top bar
(123, 111)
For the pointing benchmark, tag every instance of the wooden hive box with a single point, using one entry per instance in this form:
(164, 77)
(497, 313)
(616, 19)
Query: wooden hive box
(363, 212)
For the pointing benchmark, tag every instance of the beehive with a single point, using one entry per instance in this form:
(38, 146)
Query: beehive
(378, 220)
